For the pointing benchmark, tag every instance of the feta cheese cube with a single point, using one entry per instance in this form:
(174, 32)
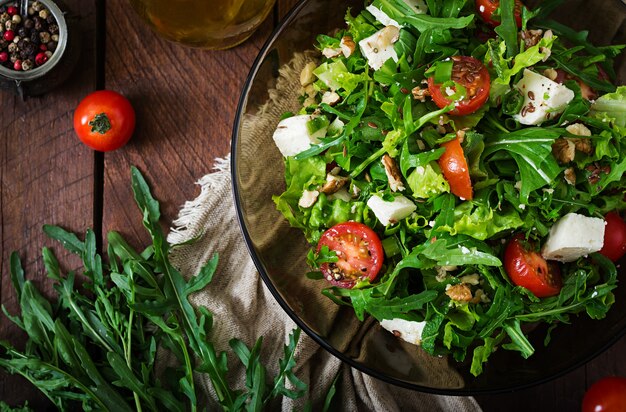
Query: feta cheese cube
(410, 331)
(544, 99)
(378, 48)
(391, 212)
(418, 6)
(381, 16)
(292, 135)
(574, 236)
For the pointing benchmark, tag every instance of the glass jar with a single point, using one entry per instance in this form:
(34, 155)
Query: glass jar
(57, 68)
(209, 24)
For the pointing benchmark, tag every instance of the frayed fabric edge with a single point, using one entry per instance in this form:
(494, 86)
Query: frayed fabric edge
(187, 225)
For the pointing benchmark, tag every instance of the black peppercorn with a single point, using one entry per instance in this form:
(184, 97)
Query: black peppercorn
(34, 37)
(50, 19)
(52, 46)
(29, 24)
(23, 32)
(53, 29)
(38, 23)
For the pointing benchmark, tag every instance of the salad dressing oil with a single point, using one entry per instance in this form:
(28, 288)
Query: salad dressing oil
(211, 24)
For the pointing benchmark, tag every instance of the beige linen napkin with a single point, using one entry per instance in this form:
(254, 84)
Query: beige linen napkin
(244, 308)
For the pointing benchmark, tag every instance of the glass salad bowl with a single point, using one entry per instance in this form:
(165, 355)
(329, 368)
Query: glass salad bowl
(279, 251)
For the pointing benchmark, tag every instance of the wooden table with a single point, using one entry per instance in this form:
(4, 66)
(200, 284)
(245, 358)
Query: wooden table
(185, 101)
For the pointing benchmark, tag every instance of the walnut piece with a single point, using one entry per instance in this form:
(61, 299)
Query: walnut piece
(393, 174)
(333, 184)
(564, 150)
(347, 46)
(459, 293)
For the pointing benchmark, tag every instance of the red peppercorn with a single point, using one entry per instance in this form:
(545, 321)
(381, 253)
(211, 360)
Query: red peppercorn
(43, 47)
(41, 58)
(4, 56)
(12, 10)
(17, 65)
(9, 35)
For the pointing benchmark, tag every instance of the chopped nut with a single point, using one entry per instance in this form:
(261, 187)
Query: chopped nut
(331, 98)
(330, 52)
(564, 150)
(306, 75)
(308, 198)
(531, 37)
(582, 145)
(480, 297)
(550, 74)
(333, 183)
(420, 94)
(347, 46)
(570, 176)
(389, 35)
(393, 174)
(472, 279)
(459, 293)
(578, 129)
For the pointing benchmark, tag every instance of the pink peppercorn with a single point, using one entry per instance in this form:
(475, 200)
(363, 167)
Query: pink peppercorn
(12, 10)
(9, 35)
(17, 65)
(41, 58)
(4, 56)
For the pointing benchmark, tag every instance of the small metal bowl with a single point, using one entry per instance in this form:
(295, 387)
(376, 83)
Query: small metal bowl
(22, 82)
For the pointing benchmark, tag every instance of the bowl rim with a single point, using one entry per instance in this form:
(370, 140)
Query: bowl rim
(242, 103)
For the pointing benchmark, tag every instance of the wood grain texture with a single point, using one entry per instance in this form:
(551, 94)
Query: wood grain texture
(185, 101)
(46, 176)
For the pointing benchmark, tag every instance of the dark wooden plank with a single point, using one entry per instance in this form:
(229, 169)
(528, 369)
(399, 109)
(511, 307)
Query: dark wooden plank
(46, 176)
(185, 101)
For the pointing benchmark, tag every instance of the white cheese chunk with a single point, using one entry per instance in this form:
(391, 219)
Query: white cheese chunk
(574, 236)
(418, 6)
(292, 135)
(378, 48)
(410, 331)
(544, 99)
(391, 212)
(381, 16)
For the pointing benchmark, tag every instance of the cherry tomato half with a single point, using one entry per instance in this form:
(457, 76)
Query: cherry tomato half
(606, 395)
(454, 168)
(359, 251)
(104, 120)
(614, 246)
(486, 8)
(527, 268)
(473, 76)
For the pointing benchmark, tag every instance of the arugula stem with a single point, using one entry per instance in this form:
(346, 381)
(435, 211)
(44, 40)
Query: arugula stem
(538, 315)
(45, 365)
(127, 349)
(189, 369)
(81, 315)
(360, 168)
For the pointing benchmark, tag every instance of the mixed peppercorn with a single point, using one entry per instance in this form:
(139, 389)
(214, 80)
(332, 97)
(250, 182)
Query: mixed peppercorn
(27, 42)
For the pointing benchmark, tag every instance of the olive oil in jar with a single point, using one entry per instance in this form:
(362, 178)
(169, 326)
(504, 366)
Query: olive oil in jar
(211, 24)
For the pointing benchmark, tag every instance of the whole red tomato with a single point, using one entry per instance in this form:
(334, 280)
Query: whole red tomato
(606, 395)
(104, 120)
(614, 246)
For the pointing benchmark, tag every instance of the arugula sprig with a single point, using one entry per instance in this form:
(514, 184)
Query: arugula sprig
(96, 347)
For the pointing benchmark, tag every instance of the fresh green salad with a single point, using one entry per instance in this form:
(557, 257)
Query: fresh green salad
(458, 167)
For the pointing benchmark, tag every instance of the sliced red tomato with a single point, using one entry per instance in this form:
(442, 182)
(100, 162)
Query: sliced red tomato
(454, 167)
(473, 76)
(359, 252)
(614, 246)
(527, 268)
(606, 395)
(487, 8)
(585, 90)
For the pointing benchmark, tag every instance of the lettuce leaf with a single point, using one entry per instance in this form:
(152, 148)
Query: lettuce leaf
(613, 106)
